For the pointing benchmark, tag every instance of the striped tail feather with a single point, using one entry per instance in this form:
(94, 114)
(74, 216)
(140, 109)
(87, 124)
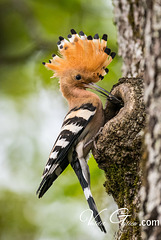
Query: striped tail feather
(48, 179)
(87, 192)
(96, 215)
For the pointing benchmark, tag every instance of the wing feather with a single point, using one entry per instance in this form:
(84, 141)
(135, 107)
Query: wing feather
(74, 124)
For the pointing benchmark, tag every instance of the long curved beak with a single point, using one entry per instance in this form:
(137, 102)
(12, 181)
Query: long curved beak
(105, 93)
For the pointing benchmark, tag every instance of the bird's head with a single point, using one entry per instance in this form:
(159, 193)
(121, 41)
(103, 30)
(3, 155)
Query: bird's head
(81, 61)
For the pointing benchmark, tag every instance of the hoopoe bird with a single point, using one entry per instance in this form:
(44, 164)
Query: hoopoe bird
(80, 63)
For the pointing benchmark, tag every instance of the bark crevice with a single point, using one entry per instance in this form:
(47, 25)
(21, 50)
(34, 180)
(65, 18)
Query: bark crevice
(119, 150)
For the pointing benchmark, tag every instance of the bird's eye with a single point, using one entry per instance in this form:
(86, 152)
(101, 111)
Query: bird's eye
(78, 77)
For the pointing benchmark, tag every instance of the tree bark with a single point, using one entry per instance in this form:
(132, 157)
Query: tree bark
(151, 190)
(129, 153)
(129, 20)
(118, 151)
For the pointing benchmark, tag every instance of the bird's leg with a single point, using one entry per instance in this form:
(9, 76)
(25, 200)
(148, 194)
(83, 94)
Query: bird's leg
(97, 134)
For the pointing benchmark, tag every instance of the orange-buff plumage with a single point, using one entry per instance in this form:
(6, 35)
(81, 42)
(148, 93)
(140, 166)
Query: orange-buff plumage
(82, 53)
(80, 63)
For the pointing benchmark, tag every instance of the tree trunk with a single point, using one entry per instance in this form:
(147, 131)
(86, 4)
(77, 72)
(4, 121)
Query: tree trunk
(151, 190)
(129, 19)
(130, 156)
(118, 151)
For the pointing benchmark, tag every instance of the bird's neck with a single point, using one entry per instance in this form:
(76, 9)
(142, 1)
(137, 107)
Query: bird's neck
(78, 96)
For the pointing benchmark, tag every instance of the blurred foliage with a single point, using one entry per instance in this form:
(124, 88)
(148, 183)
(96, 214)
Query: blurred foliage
(31, 111)
(14, 216)
(30, 30)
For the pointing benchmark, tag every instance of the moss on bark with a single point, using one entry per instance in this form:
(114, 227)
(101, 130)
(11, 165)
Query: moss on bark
(119, 149)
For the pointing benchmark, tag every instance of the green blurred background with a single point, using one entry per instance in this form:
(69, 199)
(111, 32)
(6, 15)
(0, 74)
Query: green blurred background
(31, 113)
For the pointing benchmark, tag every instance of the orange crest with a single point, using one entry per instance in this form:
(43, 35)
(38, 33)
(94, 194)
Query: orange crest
(81, 53)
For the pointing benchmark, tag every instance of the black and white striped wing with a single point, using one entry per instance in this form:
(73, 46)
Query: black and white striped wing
(74, 124)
